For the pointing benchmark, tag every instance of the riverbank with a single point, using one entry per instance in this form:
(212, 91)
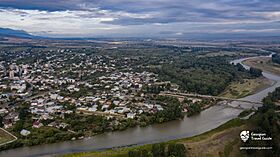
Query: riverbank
(246, 87)
(189, 126)
(263, 63)
(219, 141)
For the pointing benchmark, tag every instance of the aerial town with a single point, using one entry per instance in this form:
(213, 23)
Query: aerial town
(66, 83)
(139, 78)
(53, 94)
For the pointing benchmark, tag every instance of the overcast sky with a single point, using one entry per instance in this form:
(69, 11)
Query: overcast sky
(141, 18)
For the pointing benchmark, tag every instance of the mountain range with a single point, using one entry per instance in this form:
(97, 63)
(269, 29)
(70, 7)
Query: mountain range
(15, 33)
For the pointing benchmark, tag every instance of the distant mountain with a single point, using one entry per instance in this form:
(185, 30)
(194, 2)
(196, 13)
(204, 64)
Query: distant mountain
(15, 33)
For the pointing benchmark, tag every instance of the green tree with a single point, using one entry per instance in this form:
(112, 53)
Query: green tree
(255, 72)
(177, 150)
(139, 153)
(158, 150)
(1, 121)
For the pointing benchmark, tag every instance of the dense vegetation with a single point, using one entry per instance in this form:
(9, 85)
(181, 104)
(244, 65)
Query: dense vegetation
(172, 110)
(276, 58)
(207, 75)
(1, 121)
(255, 72)
(267, 120)
(160, 150)
(196, 107)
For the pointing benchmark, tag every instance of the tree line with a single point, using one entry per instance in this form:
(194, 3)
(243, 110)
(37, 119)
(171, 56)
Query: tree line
(160, 150)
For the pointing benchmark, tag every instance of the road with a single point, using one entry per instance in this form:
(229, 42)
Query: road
(207, 96)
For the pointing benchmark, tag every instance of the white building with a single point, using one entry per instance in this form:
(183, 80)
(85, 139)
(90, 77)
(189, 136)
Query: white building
(24, 132)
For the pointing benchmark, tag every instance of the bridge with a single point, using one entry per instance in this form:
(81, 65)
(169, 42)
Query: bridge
(177, 94)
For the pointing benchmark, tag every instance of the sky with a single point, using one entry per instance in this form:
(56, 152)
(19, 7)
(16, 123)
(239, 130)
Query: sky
(142, 18)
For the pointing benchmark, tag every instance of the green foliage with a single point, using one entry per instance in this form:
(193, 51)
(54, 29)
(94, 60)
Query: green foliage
(245, 113)
(240, 67)
(255, 72)
(94, 123)
(139, 153)
(156, 89)
(207, 75)
(276, 58)
(1, 121)
(194, 109)
(172, 111)
(266, 121)
(176, 150)
(23, 111)
(158, 150)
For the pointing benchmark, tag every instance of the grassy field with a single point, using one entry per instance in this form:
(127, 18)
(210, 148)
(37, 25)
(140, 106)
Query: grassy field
(263, 63)
(219, 142)
(247, 87)
(226, 53)
(5, 137)
(222, 141)
(121, 152)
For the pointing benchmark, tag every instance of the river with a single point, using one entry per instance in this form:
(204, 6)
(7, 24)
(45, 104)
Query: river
(187, 127)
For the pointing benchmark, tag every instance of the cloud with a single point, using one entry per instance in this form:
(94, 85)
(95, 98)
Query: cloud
(90, 18)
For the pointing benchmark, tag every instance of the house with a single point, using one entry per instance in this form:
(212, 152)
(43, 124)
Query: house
(53, 96)
(116, 102)
(3, 111)
(12, 116)
(92, 109)
(131, 115)
(82, 108)
(122, 109)
(159, 107)
(53, 124)
(63, 125)
(37, 124)
(24, 132)
(105, 107)
(112, 111)
(7, 124)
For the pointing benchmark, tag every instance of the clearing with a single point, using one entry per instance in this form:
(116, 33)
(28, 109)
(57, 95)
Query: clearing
(263, 63)
(247, 87)
(5, 137)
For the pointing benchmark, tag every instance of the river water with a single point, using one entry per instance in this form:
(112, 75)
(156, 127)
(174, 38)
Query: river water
(189, 126)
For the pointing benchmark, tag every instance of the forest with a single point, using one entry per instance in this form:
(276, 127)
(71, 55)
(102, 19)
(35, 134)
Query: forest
(208, 75)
